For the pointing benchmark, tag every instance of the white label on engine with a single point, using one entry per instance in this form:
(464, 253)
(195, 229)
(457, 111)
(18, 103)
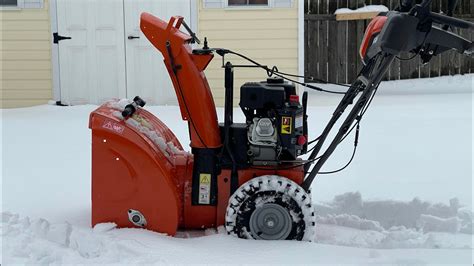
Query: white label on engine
(204, 188)
(298, 121)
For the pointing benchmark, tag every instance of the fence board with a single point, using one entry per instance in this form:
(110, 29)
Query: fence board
(341, 51)
(331, 47)
(393, 4)
(323, 7)
(471, 10)
(435, 66)
(352, 62)
(341, 3)
(455, 60)
(471, 59)
(445, 63)
(361, 24)
(385, 3)
(332, 6)
(306, 47)
(311, 49)
(464, 64)
(315, 46)
(408, 68)
(436, 6)
(332, 51)
(404, 67)
(424, 70)
(313, 6)
(323, 50)
(413, 67)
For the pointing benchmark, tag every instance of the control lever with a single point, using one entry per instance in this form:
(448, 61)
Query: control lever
(131, 108)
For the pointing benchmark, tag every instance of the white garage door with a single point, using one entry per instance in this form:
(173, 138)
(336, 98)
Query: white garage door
(108, 56)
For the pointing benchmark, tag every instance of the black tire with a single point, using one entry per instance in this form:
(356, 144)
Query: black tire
(271, 208)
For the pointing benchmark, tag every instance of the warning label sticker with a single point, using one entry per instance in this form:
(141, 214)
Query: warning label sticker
(299, 121)
(286, 125)
(204, 188)
(112, 126)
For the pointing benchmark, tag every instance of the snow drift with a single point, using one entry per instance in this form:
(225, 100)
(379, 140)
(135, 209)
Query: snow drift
(27, 240)
(351, 211)
(349, 220)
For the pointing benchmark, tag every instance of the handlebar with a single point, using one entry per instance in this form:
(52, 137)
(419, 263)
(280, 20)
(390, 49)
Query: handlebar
(423, 10)
(454, 22)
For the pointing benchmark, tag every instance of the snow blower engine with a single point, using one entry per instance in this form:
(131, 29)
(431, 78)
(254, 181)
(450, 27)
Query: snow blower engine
(275, 128)
(250, 177)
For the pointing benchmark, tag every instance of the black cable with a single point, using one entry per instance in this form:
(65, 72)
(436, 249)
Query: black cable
(356, 140)
(274, 71)
(308, 77)
(406, 59)
(344, 167)
(360, 115)
(314, 140)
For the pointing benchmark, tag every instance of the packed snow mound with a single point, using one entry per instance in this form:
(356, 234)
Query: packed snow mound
(41, 242)
(369, 8)
(394, 238)
(350, 210)
(38, 241)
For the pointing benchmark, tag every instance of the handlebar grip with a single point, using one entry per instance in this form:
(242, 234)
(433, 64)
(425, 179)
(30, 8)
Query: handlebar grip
(455, 22)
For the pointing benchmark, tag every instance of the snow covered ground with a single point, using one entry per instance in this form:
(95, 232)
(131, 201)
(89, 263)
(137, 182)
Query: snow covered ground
(406, 199)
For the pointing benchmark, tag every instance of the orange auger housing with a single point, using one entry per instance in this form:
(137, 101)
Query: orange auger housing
(138, 165)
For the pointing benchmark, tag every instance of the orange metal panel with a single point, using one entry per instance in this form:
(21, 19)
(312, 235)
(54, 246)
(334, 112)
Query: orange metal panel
(192, 89)
(375, 26)
(130, 171)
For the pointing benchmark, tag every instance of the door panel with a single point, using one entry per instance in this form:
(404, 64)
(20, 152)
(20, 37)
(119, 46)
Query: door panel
(100, 62)
(146, 73)
(92, 63)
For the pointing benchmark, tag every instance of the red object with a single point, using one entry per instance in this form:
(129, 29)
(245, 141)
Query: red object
(129, 171)
(194, 95)
(138, 163)
(294, 98)
(301, 140)
(375, 27)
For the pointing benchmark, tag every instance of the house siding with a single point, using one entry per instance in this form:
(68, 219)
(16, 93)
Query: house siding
(25, 45)
(267, 35)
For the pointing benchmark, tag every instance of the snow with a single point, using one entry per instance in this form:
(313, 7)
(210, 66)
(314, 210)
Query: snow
(368, 8)
(409, 200)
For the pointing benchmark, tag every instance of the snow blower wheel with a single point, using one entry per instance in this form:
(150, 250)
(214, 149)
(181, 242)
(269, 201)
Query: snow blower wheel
(271, 208)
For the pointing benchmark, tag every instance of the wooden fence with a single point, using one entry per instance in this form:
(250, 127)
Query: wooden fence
(332, 47)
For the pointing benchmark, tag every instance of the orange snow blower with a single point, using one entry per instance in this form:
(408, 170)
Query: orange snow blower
(247, 176)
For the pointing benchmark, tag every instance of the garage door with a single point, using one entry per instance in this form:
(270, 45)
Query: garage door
(107, 56)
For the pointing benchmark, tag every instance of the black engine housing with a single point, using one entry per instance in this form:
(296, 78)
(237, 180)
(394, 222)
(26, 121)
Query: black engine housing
(273, 100)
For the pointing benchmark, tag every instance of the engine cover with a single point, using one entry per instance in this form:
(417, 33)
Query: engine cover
(275, 121)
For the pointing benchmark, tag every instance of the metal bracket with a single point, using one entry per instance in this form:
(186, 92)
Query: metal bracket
(57, 38)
